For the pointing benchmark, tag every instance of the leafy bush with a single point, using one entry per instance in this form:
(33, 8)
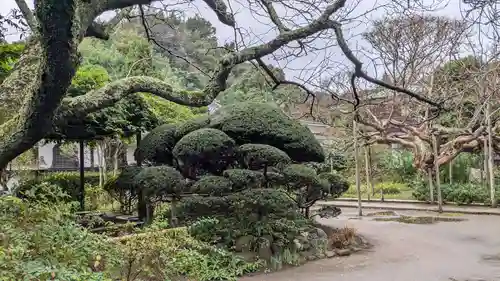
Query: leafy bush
(160, 183)
(156, 147)
(68, 181)
(212, 186)
(40, 241)
(252, 122)
(390, 187)
(122, 188)
(164, 255)
(460, 193)
(337, 184)
(398, 164)
(204, 150)
(242, 179)
(259, 156)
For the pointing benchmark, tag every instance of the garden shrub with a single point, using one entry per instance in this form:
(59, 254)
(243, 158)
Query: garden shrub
(156, 147)
(390, 187)
(252, 122)
(165, 255)
(337, 185)
(459, 193)
(122, 188)
(68, 181)
(40, 241)
(191, 125)
(242, 179)
(160, 183)
(202, 151)
(259, 156)
(212, 186)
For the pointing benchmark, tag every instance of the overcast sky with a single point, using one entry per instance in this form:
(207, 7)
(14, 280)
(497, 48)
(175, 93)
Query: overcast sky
(259, 29)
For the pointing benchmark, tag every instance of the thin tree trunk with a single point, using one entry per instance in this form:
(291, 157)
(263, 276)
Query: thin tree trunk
(356, 160)
(436, 167)
(369, 185)
(99, 163)
(431, 185)
(485, 163)
(491, 174)
(450, 171)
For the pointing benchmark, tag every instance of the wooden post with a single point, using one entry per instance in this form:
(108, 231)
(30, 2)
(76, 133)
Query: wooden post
(436, 167)
(82, 176)
(356, 160)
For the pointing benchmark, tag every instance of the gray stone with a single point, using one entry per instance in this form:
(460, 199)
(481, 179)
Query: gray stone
(321, 233)
(265, 252)
(244, 243)
(268, 238)
(344, 252)
(330, 254)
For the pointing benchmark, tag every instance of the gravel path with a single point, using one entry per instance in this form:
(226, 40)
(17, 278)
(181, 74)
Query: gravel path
(458, 251)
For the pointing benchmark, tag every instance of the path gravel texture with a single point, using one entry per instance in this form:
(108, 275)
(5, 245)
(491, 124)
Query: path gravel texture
(446, 251)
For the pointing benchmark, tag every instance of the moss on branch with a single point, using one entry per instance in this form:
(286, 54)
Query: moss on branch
(115, 91)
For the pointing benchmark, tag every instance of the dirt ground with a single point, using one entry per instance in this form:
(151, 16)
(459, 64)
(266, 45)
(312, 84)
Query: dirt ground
(446, 251)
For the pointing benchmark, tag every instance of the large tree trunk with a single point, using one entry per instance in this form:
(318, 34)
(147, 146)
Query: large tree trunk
(491, 174)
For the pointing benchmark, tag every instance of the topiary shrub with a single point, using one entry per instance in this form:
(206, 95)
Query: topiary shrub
(204, 151)
(160, 184)
(156, 147)
(212, 186)
(306, 185)
(260, 156)
(242, 179)
(122, 188)
(337, 185)
(252, 122)
(191, 125)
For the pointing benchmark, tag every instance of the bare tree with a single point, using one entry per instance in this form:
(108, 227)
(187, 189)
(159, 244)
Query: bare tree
(51, 57)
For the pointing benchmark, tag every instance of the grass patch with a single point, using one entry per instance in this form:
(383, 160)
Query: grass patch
(420, 220)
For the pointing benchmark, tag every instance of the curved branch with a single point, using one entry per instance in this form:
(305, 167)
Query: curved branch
(27, 14)
(115, 91)
(358, 71)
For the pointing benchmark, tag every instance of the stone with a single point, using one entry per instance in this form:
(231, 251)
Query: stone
(355, 249)
(344, 252)
(321, 233)
(244, 243)
(330, 254)
(264, 252)
(297, 245)
(276, 248)
(268, 238)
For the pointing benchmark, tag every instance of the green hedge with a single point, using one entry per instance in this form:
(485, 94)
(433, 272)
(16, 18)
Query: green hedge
(68, 181)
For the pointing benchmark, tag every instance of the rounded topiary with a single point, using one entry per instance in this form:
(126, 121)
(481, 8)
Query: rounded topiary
(258, 156)
(204, 150)
(300, 175)
(212, 186)
(242, 179)
(252, 122)
(191, 125)
(156, 147)
(160, 183)
(337, 185)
